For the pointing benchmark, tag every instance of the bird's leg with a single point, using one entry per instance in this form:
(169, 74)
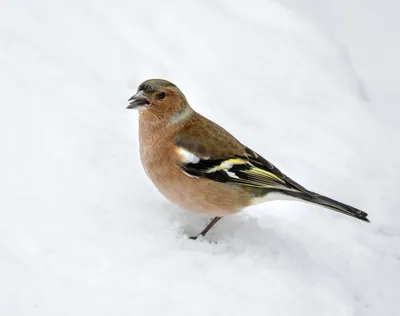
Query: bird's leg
(209, 226)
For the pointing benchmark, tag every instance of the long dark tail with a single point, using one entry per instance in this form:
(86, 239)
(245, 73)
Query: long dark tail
(328, 203)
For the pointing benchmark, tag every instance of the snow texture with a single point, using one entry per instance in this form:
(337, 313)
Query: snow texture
(84, 232)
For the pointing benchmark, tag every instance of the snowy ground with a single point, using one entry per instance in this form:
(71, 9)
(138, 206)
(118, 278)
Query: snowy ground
(83, 231)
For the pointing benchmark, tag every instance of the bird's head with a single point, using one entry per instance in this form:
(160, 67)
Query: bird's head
(160, 97)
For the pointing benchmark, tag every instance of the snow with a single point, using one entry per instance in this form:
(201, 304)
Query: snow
(84, 232)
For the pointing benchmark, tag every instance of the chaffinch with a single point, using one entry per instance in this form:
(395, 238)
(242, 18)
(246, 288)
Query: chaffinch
(198, 165)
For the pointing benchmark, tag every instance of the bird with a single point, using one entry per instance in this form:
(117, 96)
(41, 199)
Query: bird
(198, 165)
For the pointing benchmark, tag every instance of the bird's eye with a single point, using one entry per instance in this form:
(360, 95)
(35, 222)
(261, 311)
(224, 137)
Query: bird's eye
(161, 95)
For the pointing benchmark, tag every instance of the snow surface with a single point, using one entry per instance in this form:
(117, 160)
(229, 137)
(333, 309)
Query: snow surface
(84, 232)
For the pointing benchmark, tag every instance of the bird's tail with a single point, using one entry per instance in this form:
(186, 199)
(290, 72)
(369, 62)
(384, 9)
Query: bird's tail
(328, 203)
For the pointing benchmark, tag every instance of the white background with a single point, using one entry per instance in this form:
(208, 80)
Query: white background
(310, 85)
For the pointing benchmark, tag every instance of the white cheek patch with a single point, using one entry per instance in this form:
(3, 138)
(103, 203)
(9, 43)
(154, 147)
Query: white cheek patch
(187, 157)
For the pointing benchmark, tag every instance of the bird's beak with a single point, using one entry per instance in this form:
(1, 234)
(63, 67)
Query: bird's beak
(138, 101)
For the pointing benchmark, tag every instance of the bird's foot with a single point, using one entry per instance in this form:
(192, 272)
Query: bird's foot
(201, 238)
